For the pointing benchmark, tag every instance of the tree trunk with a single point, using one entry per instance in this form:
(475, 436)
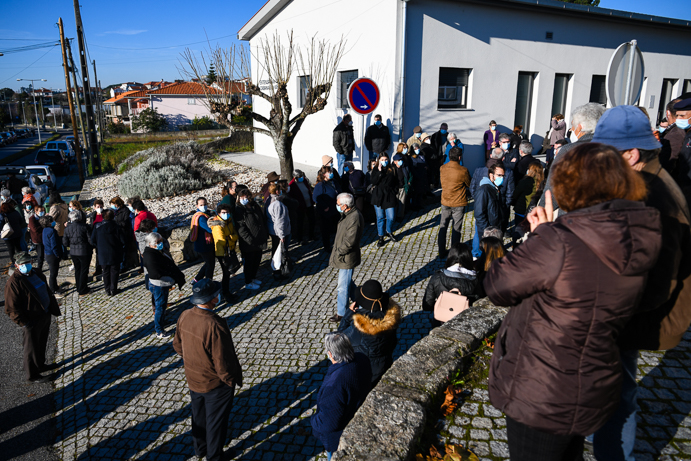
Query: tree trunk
(284, 149)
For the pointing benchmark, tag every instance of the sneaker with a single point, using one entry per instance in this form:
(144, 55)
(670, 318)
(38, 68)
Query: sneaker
(256, 282)
(163, 335)
(252, 286)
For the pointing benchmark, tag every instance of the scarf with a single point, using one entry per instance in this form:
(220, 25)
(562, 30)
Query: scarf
(194, 229)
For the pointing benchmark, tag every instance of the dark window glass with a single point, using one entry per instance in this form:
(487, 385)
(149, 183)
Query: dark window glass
(524, 99)
(453, 88)
(561, 90)
(598, 92)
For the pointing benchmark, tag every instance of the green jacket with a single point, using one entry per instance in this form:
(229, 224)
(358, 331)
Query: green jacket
(346, 250)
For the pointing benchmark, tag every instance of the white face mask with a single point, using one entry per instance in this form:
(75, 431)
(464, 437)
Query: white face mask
(573, 137)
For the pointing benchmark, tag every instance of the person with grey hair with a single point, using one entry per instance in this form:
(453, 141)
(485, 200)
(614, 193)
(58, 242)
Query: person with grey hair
(525, 150)
(77, 239)
(300, 189)
(163, 274)
(583, 122)
(451, 142)
(5, 195)
(345, 254)
(494, 232)
(344, 389)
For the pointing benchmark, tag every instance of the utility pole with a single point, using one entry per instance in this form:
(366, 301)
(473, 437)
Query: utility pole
(87, 145)
(101, 126)
(93, 152)
(68, 87)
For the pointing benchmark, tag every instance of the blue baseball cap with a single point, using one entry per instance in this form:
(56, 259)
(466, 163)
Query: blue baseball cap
(626, 127)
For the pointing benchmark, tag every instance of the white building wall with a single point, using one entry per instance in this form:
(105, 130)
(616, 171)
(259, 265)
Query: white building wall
(177, 110)
(368, 28)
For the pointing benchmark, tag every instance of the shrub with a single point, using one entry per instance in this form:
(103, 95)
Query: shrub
(168, 170)
(149, 120)
(118, 128)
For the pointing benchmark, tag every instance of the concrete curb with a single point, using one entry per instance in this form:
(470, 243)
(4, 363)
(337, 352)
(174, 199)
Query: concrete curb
(390, 422)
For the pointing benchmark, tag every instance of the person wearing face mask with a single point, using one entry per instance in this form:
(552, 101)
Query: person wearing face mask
(124, 220)
(683, 170)
(344, 141)
(430, 152)
(455, 181)
(405, 179)
(384, 198)
(28, 196)
(415, 138)
(328, 161)
(301, 191)
(202, 237)
(163, 274)
(671, 138)
(212, 369)
(583, 121)
(438, 141)
(489, 139)
(109, 240)
(452, 141)
(10, 216)
(278, 222)
(271, 178)
(324, 195)
(510, 156)
(292, 206)
(252, 234)
(93, 220)
(30, 304)
(225, 238)
(77, 239)
(54, 252)
(345, 255)
(377, 138)
(488, 206)
(58, 209)
(36, 233)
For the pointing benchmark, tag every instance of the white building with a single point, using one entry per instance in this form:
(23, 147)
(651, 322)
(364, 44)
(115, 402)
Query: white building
(466, 62)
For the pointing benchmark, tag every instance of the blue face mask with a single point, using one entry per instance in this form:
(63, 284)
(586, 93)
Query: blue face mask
(25, 268)
(301, 179)
(345, 168)
(53, 224)
(71, 209)
(129, 207)
(40, 213)
(400, 163)
(682, 123)
(405, 151)
(29, 207)
(384, 163)
(443, 131)
(224, 216)
(661, 129)
(331, 175)
(159, 246)
(505, 145)
(340, 210)
(377, 122)
(244, 201)
(499, 181)
(155, 229)
(114, 207)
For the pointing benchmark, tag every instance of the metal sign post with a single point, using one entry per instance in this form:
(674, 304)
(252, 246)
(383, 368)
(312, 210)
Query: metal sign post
(625, 74)
(363, 99)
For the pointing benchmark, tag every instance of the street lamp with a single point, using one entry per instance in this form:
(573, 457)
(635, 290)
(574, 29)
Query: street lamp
(33, 93)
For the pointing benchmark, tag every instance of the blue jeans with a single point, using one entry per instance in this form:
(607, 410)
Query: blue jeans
(614, 441)
(340, 160)
(328, 456)
(161, 302)
(390, 216)
(346, 290)
(476, 244)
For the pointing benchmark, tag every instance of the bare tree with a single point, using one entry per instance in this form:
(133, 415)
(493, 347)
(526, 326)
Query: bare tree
(277, 60)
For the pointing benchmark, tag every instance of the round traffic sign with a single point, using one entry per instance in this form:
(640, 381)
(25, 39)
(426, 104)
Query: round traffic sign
(363, 96)
(625, 74)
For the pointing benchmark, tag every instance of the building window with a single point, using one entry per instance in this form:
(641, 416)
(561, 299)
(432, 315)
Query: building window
(561, 91)
(453, 88)
(191, 101)
(303, 86)
(665, 97)
(524, 99)
(598, 91)
(345, 78)
(687, 87)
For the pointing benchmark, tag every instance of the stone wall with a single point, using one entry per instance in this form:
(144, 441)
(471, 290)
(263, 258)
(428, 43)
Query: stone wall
(390, 422)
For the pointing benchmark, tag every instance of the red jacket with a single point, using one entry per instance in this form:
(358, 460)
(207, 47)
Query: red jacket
(142, 216)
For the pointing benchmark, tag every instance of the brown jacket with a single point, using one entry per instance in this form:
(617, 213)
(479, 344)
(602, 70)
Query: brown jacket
(665, 310)
(59, 212)
(203, 340)
(573, 286)
(455, 181)
(21, 299)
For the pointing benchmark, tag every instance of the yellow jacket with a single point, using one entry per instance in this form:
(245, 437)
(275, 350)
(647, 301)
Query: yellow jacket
(224, 234)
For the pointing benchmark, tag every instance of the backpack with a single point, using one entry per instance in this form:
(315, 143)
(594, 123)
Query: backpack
(449, 304)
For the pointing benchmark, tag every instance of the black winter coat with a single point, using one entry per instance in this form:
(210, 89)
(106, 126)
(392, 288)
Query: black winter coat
(385, 190)
(373, 334)
(109, 241)
(159, 265)
(445, 280)
(77, 238)
(377, 139)
(357, 183)
(251, 227)
(122, 219)
(507, 189)
(488, 209)
(17, 222)
(343, 140)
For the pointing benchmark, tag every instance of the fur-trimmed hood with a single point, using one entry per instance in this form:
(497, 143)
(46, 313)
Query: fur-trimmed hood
(370, 325)
(216, 221)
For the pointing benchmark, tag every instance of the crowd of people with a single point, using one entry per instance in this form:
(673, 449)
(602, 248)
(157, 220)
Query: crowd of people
(591, 250)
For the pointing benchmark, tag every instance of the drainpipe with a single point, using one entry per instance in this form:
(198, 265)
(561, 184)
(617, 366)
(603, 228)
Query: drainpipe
(402, 84)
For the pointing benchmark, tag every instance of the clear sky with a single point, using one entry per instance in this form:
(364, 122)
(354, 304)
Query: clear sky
(142, 40)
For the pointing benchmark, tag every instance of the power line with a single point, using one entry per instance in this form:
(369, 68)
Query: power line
(36, 46)
(164, 47)
(49, 50)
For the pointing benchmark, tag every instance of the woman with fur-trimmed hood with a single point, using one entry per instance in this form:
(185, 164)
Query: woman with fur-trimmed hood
(371, 324)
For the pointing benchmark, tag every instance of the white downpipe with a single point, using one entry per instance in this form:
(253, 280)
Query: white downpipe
(402, 84)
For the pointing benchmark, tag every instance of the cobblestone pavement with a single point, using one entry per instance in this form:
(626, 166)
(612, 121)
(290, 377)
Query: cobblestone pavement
(123, 392)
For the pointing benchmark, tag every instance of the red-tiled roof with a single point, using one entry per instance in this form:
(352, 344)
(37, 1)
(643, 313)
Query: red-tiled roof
(121, 97)
(185, 88)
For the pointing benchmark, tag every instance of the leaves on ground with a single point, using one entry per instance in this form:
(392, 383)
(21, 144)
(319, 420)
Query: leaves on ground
(449, 406)
(452, 453)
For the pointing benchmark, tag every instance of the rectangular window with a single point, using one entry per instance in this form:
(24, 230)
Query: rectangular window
(345, 78)
(304, 85)
(561, 90)
(191, 101)
(453, 88)
(665, 97)
(524, 99)
(598, 92)
(687, 87)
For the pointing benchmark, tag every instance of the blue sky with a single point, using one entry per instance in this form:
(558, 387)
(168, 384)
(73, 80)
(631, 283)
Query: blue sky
(140, 40)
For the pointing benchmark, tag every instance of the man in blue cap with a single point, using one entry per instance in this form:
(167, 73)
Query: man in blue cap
(664, 312)
(683, 170)
(203, 340)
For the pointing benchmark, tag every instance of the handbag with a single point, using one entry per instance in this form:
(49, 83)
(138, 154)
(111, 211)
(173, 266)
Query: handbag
(232, 261)
(287, 265)
(449, 304)
(7, 231)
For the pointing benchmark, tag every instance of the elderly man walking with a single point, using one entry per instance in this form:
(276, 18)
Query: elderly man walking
(664, 314)
(29, 303)
(203, 340)
(345, 254)
(345, 387)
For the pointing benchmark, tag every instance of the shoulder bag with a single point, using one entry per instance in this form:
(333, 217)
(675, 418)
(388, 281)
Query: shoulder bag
(449, 304)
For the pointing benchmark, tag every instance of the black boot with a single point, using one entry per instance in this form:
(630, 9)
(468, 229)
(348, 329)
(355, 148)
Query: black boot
(381, 242)
(392, 237)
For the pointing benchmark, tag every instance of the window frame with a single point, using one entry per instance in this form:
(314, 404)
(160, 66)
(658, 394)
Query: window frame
(602, 80)
(464, 101)
(193, 101)
(343, 92)
(302, 91)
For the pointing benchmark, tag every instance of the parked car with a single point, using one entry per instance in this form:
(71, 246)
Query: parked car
(9, 139)
(6, 171)
(64, 146)
(55, 158)
(44, 172)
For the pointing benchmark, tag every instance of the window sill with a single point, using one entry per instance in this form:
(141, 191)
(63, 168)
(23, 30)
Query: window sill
(456, 110)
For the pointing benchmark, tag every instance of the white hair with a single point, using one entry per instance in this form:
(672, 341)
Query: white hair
(451, 136)
(152, 238)
(339, 346)
(346, 199)
(26, 190)
(5, 193)
(526, 147)
(587, 116)
(497, 153)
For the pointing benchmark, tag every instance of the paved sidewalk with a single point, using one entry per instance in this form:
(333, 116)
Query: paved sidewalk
(268, 164)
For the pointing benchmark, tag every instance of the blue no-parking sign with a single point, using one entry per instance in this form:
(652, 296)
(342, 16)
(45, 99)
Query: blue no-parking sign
(363, 96)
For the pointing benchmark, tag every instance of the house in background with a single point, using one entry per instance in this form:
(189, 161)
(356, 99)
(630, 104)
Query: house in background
(125, 88)
(180, 103)
(466, 62)
(118, 109)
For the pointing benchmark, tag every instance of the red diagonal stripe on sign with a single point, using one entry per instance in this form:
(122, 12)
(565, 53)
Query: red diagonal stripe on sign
(357, 87)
